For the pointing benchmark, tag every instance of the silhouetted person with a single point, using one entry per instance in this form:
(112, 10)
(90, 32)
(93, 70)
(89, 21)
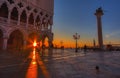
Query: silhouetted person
(97, 69)
(85, 48)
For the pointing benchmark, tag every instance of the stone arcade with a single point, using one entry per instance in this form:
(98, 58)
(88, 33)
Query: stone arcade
(22, 21)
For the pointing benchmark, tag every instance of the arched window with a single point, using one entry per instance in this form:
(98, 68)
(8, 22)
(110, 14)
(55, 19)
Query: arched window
(31, 19)
(37, 22)
(4, 11)
(14, 14)
(23, 17)
(35, 10)
(38, 19)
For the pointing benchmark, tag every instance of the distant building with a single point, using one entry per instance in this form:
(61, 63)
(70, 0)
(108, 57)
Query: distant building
(113, 47)
(22, 21)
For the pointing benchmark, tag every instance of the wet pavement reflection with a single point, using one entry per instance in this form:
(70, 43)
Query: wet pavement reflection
(32, 69)
(35, 65)
(57, 63)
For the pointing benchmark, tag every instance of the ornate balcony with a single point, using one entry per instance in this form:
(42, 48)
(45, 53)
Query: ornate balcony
(14, 23)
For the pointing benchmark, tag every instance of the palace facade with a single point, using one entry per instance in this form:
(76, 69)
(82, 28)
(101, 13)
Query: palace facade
(23, 21)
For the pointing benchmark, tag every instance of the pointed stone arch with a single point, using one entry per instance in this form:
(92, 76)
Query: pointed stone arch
(16, 40)
(19, 29)
(23, 17)
(31, 19)
(49, 36)
(43, 22)
(4, 10)
(37, 22)
(14, 14)
(37, 18)
(46, 41)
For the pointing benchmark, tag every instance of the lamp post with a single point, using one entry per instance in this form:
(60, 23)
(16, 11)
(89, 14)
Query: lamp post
(76, 37)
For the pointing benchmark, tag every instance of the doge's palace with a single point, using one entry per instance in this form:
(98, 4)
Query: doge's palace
(23, 21)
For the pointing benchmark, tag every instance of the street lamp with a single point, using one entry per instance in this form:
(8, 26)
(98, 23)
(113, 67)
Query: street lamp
(76, 37)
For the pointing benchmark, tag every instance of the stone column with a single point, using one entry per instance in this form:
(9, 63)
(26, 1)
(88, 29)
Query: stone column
(27, 21)
(42, 26)
(45, 26)
(43, 46)
(50, 40)
(9, 15)
(41, 23)
(50, 43)
(35, 23)
(18, 23)
(50, 28)
(5, 39)
(99, 13)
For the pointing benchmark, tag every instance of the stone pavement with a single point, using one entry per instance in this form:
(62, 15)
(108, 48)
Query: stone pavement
(10, 58)
(68, 64)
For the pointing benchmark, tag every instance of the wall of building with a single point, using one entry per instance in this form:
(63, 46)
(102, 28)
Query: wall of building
(47, 5)
(25, 16)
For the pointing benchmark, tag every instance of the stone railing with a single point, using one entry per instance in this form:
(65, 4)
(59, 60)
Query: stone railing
(13, 23)
(3, 20)
(23, 24)
(46, 30)
(31, 27)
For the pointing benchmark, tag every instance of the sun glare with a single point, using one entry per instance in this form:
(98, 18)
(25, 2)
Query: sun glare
(34, 44)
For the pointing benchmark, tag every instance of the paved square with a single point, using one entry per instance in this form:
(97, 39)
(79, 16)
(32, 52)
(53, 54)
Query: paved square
(68, 64)
(62, 64)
